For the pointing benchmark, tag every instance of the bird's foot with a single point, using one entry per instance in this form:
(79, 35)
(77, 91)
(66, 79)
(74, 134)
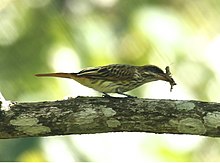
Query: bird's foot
(106, 95)
(129, 96)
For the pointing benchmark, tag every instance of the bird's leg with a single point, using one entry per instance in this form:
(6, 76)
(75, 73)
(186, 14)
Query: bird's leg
(119, 91)
(105, 95)
(129, 96)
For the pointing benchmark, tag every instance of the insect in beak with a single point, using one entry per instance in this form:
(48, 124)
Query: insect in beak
(169, 78)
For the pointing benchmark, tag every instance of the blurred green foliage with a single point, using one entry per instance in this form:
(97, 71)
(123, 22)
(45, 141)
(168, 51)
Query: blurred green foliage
(61, 35)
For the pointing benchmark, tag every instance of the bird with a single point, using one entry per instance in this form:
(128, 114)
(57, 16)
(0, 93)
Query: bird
(116, 78)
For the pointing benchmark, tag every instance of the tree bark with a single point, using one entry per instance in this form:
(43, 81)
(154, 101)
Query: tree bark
(90, 115)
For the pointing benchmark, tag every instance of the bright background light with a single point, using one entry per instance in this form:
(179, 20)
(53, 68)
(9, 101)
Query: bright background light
(65, 36)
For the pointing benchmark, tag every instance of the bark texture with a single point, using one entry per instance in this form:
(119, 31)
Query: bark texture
(90, 115)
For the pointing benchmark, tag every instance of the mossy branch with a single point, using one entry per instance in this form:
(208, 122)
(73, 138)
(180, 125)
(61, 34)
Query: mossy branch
(90, 115)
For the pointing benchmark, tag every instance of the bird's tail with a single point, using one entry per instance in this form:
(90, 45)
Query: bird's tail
(61, 75)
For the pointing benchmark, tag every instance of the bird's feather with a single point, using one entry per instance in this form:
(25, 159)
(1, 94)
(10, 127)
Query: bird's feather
(110, 72)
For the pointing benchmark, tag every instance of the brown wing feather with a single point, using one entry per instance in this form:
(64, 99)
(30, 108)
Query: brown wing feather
(109, 72)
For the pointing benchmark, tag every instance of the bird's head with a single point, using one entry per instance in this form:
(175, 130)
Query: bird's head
(153, 73)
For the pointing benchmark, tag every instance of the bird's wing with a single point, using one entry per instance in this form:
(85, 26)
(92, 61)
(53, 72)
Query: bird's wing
(110, 72)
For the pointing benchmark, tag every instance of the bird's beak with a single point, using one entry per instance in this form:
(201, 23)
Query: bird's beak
(166, 77)
(162, 77)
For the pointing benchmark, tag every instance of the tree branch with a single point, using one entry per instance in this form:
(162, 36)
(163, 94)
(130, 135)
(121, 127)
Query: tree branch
(89, 115)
